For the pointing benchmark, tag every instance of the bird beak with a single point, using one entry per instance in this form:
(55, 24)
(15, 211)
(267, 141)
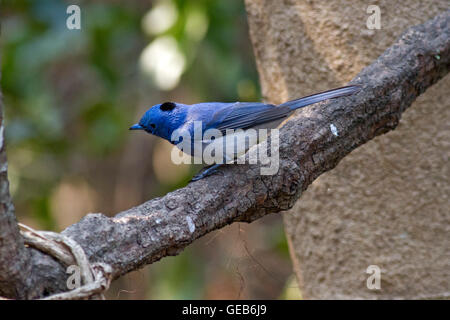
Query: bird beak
(136, 127)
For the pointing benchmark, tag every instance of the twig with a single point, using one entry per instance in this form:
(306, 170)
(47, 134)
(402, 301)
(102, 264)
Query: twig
(96, 278)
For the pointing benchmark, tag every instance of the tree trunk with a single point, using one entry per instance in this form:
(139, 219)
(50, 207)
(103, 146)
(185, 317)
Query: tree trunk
(13, 256)
(386, 204)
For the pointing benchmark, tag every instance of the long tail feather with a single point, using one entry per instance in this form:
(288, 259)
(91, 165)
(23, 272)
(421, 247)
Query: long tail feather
(314, 98)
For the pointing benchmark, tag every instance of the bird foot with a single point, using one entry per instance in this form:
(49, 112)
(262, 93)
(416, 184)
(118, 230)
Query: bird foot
(206, 172)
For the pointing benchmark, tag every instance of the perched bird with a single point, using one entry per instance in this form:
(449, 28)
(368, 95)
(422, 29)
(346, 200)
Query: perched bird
(164, 119)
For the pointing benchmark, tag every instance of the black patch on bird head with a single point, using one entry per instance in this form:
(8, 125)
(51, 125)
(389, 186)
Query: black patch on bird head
(167, 106)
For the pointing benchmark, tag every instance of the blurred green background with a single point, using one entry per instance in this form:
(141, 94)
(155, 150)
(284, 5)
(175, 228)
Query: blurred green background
(70, 97)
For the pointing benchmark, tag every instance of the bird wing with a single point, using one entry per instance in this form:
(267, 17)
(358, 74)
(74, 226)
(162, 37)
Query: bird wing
(244, 115)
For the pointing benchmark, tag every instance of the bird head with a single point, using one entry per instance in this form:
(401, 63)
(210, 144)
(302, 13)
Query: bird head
(158, 120)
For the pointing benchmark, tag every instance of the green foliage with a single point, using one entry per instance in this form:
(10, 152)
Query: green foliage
(70, 96)
(179, 278)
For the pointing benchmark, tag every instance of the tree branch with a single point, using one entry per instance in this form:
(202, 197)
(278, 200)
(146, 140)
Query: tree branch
(308, 148)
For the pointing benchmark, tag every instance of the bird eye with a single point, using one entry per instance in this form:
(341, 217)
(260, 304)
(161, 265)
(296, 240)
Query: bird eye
(153, 125)
(167, 106)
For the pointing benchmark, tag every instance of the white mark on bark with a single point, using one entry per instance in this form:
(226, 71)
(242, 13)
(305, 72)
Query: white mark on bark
(191, 224)
(334, 130)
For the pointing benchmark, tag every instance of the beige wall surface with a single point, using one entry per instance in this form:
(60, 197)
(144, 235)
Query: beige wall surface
(387, 203)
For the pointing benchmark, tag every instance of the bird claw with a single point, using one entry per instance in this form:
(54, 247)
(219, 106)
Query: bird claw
(206, 172)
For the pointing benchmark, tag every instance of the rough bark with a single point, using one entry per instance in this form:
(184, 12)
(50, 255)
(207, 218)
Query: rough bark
(308, 147)
(13, 255)
(387, 202)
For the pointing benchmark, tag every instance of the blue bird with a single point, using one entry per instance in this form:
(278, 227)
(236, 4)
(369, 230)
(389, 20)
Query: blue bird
(164, 119)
